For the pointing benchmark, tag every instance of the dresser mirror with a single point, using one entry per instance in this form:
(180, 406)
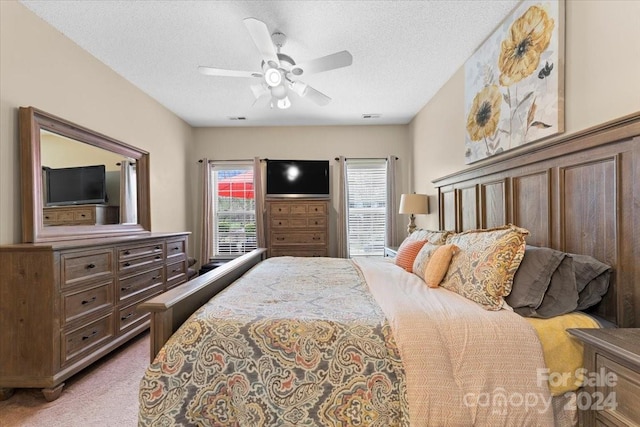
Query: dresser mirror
(77, 183)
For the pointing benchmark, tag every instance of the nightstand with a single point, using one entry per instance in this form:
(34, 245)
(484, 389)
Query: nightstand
(390, 251)
(612, 379)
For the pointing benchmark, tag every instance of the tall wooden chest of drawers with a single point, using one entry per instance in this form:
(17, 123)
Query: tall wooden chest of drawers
(63, 305)
(298, 227)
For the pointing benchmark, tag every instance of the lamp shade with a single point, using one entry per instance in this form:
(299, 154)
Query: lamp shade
(414, 204)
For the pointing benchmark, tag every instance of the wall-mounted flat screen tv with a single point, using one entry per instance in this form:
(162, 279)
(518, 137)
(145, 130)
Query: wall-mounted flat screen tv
(298, 178)
(75, 186)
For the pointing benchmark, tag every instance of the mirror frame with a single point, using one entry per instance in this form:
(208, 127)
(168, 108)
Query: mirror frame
(31, 122)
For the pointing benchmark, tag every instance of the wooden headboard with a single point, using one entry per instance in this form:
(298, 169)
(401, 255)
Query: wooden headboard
(578, 193)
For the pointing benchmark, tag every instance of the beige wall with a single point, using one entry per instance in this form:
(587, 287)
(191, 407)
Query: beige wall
(602, 69)
(42, 68)
(309, 143)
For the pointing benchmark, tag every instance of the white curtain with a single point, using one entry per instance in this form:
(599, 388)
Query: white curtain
(259, 173)
(128, 192)
(391, 235)
(343, 237)
(206, 242)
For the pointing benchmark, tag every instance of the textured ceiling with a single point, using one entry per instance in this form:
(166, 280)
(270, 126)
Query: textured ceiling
(403, 52)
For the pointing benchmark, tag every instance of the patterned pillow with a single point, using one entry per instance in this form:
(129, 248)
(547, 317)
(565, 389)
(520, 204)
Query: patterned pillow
(439, 265)
(422, 259)
(432, 263)
(483, 269)
(407, 253)
(434, 237)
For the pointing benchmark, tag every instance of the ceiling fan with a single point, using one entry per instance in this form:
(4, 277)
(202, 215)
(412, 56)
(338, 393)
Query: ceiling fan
(279, 71)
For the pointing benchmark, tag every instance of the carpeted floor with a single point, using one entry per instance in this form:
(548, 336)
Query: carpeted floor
(105, 394)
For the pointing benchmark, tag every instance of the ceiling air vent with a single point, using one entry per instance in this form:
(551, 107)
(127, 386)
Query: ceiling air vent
(371, 116)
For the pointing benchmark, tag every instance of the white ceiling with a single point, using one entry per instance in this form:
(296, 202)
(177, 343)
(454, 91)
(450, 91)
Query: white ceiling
(403, 52)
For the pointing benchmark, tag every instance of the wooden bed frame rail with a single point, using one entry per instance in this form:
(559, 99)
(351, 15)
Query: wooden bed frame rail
(170, 309)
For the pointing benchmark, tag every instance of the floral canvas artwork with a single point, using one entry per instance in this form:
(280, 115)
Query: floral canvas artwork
(514, 82)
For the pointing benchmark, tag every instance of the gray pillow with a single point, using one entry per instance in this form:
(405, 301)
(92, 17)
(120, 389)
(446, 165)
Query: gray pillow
(544, 285)
(592, 280)
(533, 276)
(562, 295)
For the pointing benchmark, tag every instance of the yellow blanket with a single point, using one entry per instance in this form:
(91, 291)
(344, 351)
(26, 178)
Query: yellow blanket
(562, 353)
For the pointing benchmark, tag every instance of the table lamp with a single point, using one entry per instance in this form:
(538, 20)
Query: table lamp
(413, 204)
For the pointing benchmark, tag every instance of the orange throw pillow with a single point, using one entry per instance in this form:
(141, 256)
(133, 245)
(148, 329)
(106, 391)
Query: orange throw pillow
(407, 253)
(439, 264)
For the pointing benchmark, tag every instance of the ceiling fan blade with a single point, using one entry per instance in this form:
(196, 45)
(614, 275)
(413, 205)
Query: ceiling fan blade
(263, 100)
(262, 39)
(316, 96)
(210, 71)
(325, 63)
(259, 90)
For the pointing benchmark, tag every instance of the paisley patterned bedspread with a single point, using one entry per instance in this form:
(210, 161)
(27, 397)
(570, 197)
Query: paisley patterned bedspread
(293, 342)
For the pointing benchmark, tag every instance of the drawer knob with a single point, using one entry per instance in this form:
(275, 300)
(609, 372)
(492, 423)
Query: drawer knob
(157, 248)
(125, 289)
(316, 222)
(280, 238)
(127, 264)
(89, 301)
(158, 257)
(126, 317)
(279, 222)
(91, 335)
(155, 278)
(176, 248)
(175, 270)
(316, 238)
(82, 215)
(46, 217)
(90, 266)
(127, 252)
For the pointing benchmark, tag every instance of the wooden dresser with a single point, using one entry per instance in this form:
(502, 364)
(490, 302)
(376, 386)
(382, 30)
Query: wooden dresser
(63, 305)
(80, 215)
(298, 227)
(612, 360)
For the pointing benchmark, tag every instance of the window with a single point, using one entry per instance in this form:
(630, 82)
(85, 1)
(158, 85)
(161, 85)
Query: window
(366, 206)
(234, 209)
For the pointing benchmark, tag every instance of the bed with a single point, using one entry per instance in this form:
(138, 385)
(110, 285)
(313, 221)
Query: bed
(368, 348)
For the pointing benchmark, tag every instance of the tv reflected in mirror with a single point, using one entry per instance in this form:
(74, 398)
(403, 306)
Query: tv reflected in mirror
(75, 185)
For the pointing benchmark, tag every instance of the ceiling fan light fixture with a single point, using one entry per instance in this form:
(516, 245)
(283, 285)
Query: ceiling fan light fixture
(299, 88)
(279, 92)
(284, 103)
(273, 77)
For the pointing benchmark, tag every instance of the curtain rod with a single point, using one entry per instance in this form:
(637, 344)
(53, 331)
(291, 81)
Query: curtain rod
(366, 158)
(231, 161)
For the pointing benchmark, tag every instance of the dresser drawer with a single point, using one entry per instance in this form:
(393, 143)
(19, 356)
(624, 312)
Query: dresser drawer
(176, 249)
(83, 339)
(144, 262)
(316, 208)
(625, 389)
(81, 266)
(147, 249)
(130, 315)
(320, 252)
(299, 237)
(87, 301)
(51, 216)
(316, 222)
(176, 274)
(133, 286)
(279, 209)
(81, 215)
